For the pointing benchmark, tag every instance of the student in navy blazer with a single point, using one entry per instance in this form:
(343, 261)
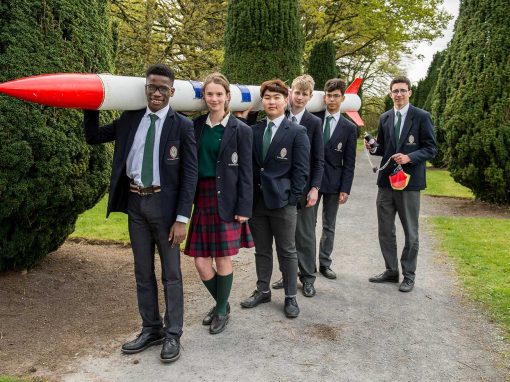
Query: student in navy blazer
(224, 197)
(405, 136)
(281, 157)
(155, 185)
(301, 92)
(339, 162)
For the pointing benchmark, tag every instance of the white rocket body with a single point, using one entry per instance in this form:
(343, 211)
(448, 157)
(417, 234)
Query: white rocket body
(127, 93)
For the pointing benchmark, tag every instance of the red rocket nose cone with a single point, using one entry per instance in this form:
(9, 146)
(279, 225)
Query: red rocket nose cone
(70, 90)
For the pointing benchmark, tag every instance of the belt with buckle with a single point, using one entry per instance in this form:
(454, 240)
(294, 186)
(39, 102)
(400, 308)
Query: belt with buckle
(144, 191)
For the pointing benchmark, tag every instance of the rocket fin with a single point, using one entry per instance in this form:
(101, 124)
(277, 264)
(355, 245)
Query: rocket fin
(355, 117)
(353, 88)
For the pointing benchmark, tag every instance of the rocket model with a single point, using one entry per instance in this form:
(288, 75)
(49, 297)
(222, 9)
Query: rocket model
(109, 92)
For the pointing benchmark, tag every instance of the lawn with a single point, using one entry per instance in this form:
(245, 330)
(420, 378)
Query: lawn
(479, 248)
(93, 225)
(441, 183)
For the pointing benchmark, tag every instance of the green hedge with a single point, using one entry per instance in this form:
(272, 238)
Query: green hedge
(48, 174)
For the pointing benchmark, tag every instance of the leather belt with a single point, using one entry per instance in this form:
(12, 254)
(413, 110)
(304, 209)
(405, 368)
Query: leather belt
(144, 191)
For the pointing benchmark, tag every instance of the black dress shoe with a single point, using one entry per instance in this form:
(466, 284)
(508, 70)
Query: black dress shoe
(291, 307)
(277, 284)
(142, 342)
(209, 316)
(171, 350)
(255, 299)
(327, 272)
(385, 277)
(407, 285)
(308, 289)
(218, 323)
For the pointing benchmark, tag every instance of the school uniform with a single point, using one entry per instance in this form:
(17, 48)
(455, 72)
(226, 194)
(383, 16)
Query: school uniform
(225, 188)
(279, 179)
(339, 163)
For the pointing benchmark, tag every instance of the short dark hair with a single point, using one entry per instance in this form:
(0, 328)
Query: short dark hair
(276, 85)
(335, 84)
(160, 70)
(401, 80)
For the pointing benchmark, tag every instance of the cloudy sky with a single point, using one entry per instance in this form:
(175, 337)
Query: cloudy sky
(417, 69)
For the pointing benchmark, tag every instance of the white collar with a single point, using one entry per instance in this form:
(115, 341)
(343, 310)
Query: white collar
(161, 113)
(277, 121)
(223, 122)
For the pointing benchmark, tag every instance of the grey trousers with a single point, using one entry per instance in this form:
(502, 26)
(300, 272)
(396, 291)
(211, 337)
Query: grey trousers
(329, 211)
(407, 205)
(280, 224)
(148, 228)
(306, 242)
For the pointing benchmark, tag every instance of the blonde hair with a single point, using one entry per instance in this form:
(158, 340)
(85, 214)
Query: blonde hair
(303, 83)
(218, 79)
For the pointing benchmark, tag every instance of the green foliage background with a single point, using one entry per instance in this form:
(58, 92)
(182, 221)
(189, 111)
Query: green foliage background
(322, 63)
(263, 40)
(472, 97)
(48, 174)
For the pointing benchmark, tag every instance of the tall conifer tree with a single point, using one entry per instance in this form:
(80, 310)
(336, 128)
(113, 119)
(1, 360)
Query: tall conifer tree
(48, 174)
(322, 63)
(472, 98)
(263, 40)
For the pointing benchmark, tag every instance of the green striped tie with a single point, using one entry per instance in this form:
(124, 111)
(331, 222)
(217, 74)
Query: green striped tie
(327, 129)
(397, 128)
(148, 152)
(266, 140)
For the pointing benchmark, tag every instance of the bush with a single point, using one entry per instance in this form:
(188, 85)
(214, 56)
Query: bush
(263, 40)
(322, 65)
(48, 174)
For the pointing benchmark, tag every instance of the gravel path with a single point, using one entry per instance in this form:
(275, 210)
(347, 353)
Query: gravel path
(351, 330)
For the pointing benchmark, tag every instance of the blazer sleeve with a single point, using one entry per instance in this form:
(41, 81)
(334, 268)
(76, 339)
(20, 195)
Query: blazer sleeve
(300, 165)
(93, 133)
(349, 162)
(428, 146)
(379, 151)
(245, 171)
(189, 170)
(317, 156)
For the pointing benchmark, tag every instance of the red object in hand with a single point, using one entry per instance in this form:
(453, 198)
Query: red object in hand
(399, 179)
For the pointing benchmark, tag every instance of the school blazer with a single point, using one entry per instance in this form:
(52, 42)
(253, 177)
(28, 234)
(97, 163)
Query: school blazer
(178, 168)
(339, 157)
(281, 177)
(416, 140)
(234, 172)
(313, 127)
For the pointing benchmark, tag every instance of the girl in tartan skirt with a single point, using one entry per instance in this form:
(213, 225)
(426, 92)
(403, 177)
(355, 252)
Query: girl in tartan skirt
(224, 197)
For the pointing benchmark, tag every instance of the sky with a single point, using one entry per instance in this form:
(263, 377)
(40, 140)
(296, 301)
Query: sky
(417, 69)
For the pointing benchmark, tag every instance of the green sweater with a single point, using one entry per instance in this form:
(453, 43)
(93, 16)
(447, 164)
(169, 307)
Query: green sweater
(210, 142)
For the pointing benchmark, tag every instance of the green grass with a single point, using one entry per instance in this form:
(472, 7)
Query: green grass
(16, 379)
(93, 225)
(440, 183)
(479, 247)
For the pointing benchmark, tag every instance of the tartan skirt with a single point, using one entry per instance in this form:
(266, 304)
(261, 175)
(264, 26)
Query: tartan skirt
(208, 234)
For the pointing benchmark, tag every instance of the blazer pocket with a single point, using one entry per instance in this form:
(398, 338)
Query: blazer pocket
(172, 153)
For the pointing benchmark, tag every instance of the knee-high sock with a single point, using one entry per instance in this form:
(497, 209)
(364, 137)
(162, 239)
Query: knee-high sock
(224, 285)
(211, 286)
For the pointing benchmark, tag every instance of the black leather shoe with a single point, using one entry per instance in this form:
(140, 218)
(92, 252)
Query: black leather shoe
(142, 342)
(327, 272)
(209, 316)
(291, 307)
(277, 284)
(255, 299)
(407, 285)
(385, 277)
(308, 289)
(218, 323)
(171, 350)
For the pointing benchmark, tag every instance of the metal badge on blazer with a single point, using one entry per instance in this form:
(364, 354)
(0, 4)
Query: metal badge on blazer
(235, 158)
(283, 153)
(411, 139)
(339, 147)
(173, 152)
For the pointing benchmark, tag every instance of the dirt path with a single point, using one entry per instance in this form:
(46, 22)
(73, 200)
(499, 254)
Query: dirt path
(68, 318)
